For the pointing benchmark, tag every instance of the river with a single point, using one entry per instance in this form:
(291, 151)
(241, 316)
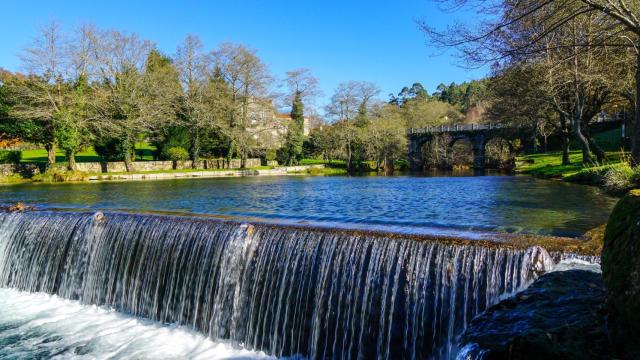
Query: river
(125, 285)
(404, 203)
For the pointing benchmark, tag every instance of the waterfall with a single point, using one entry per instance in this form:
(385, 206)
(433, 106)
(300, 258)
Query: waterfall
(286, 291)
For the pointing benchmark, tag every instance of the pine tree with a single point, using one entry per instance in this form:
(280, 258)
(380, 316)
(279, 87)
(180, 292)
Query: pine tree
(295, 135)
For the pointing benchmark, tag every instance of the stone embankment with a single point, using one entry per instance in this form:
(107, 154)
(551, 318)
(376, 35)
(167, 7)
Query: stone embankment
(285, 170)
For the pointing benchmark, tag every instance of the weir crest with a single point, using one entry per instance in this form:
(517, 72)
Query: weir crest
(284, 290)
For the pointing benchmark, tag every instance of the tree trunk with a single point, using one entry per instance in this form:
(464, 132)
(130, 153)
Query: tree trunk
(566, 145)
(231, 149)
(71, 160)
(128, 164)
(349, 156)
(127, 151)
(535, 138)
(597, 150)
(635, 131)
(195, 150)
(51, 154)
(546, 148)
(566, 140)
(582, 140)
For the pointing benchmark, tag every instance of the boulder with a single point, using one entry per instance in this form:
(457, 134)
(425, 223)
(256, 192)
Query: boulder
(560, 316)
(621, 273)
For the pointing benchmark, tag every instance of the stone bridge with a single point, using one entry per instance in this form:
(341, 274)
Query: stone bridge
(477, 134)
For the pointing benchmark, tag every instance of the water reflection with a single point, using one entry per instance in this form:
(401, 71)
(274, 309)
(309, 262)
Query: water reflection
(458, 201)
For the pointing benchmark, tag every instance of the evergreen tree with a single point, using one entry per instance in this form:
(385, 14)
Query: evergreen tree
(292, 150)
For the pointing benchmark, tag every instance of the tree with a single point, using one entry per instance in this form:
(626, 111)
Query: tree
(302, 86)
(123, 105)
(522, 95)
(247, 78)
(424, 113)
(365, 92)
(415, 92)
(507, 34)
(40, 99)
(384, 137)
(344, 108)
(292, 149)
(204, 100)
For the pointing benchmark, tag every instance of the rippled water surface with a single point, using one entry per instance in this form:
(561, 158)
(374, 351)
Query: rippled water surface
(423, 204)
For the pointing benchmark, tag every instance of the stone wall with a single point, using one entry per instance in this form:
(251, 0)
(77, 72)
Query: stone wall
(30, 169)
(144, 166)
(7, 169)
(24, 169)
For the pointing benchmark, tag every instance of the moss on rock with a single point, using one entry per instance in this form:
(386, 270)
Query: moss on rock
(621, 272)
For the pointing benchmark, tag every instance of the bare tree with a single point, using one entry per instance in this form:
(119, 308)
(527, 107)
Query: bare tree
(118, 102)
(42, 95)
(302, 83)
(344, 108)
(199, 108)
(506, 33)
(248, 80)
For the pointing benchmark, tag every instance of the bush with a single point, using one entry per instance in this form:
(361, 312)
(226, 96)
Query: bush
(60, 175)
(270, 155)
(621, 178)
(109, 149)
(176, 154)
(172, 137)
(10, 156)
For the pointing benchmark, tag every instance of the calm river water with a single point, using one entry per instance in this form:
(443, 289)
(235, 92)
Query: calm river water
(403, 203)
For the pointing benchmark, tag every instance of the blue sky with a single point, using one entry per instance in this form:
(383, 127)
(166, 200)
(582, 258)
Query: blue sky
(371, 40)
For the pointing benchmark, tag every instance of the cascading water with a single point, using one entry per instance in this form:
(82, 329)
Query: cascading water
(283, 290)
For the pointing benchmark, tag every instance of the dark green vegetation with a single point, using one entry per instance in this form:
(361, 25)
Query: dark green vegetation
(621, 272)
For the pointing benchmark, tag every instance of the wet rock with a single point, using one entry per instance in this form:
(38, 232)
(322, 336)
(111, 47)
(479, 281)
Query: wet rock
(538, 261)
(560, 316)
(19, 207)
(99, 217)
(621, 273)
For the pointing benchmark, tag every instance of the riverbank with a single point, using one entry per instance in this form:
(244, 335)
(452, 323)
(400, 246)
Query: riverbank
(200, 173)
(613, 175)
(80, 176)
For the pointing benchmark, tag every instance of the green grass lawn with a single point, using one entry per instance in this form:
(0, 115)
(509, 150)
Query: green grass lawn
(549, 165)
(144, 152)
(322, 162)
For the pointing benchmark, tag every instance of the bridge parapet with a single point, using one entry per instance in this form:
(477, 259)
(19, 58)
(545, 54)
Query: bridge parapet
(454, 128)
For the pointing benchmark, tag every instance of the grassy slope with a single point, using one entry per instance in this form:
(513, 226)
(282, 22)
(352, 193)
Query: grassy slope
(549, 165)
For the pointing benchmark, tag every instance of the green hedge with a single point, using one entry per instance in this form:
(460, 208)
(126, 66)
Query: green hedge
(10, 156)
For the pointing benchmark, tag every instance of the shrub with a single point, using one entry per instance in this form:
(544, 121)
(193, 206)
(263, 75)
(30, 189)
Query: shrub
(10, 156)
(270, 155)
(621, 178)
(172, 137)
(11, 179)
(60, 175)
(109, 149)
(402, 165)
(176, 154)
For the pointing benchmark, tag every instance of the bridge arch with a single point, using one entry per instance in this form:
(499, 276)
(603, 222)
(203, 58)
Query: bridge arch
(478, 135)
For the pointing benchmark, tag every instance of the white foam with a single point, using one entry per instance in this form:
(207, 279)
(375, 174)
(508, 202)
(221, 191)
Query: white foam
(40, 325)
(577, 264)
